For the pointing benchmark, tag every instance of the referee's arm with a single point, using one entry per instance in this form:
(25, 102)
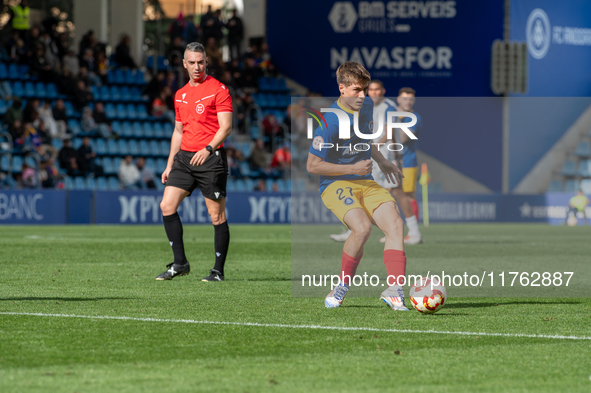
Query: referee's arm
(175, 146)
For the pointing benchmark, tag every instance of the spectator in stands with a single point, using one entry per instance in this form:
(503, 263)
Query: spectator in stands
(16, 131)
(55, 129)
(87, 59)
(123, 53)
(89, 78)
(260, 186)
(48, 174)
(271, 128)
(44, 148)
(30, 113)
(41, 68)
(67, 82)
(249, 81)
(175, 51)
(86, 158)
(73, 168)
(218, 25)
(59, 114)
(71, 62)
(52, 56)
(100, 117)
(214, 54)
(147, 178)
(90, 126)
(82, 95)
(129, 175)
(14, 112)
(227, 80)
(87, 41)
(20, 18)
(101, 67)
(153, 89)
(66, 154)
(207, 24)
(234, 68)
(191, 33)
(163, 106)
(281, 160)
(233, 163)
(28, 176)
(258, 157)
(32, 39)
(171, 82)
(15, 48)
(176, 28)
(235, 35)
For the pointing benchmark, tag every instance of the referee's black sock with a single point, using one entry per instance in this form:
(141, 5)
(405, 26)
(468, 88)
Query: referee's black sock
(174, 231)
(221, 242)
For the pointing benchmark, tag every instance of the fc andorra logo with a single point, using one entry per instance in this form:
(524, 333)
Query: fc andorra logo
(200, 108)
(537, 33)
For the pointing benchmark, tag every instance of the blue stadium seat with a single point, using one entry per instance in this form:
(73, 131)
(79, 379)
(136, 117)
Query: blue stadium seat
(555, 186)
(269, 185)
(126, 130)
(240, 186)
(128, 77)
(121, 111)
(96, 94)
(116, 127)
(116, 94)
(101, 146)
(139, 78)
(160, 165)
(79, 183)
(5, 163)
(69, 107)
(23, 71)
(101, 184)
(135, 94)
(585, 168)
(168, 129)
(138, 130)
(141, 112)
(583, 149)
(4, 106)
(571, 185)
(231, 185)
(108, 166)
(125, 94)
(154, 148)
(585, 186)
(112, 147)
(68, 183)
(118, 77)
(29, 89)
(110, 111)
(245, 168)
(249, 184)
(52, 91)
(90, 184)
(264, 84)
(288, 185)
(280, 84)
(123, 147)
(13, 71)
(131, 112)
(3, 71)
(144, 147)
(76, 143)
(569, 168)
(74, 126)
(148, 129)
(17, 89)
(113, 183)
(159, 130)
(41, 90)
(133, 147)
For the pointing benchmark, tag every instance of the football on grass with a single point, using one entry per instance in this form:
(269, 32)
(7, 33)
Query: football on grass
(428, 297)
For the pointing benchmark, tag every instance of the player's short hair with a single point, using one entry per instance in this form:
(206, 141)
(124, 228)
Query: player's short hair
(352, 72)
(195, 47)
(407, 90)
(378, 82)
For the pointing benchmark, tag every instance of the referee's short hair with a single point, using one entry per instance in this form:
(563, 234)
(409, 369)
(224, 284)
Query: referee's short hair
(195, 47)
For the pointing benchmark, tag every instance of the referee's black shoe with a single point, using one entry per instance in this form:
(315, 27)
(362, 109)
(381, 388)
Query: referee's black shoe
(174, 270)
(214, 276)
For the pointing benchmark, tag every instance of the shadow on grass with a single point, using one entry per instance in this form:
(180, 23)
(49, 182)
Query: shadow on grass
(65, 299)
(501, 303)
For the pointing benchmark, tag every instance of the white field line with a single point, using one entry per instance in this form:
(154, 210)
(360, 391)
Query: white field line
(281, 326)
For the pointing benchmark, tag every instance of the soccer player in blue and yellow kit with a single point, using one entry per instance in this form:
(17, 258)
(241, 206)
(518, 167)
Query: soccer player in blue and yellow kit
(349, 191)
(406, 101)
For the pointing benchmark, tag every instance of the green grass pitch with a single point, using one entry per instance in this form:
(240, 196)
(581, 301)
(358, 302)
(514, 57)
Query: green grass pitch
(162, 343)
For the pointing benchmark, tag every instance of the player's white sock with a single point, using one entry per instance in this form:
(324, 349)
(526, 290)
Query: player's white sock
(413, 226)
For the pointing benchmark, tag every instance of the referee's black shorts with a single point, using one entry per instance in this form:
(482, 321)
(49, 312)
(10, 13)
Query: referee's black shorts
(210, 177)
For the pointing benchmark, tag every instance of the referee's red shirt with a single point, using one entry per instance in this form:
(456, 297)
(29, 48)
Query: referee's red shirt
(197, 108)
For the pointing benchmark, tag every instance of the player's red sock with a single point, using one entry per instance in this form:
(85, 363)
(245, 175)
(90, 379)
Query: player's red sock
(349, 267)
(415, 208)
(395, 262)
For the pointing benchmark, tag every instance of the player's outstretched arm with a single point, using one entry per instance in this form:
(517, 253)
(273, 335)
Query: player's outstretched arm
(225, 122)
(317, 166)
(175, 146)
(392, 172)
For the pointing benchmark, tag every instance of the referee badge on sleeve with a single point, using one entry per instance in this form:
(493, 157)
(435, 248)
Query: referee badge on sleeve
(317, 143)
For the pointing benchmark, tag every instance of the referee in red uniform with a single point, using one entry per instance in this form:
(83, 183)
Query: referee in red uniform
(197, 159)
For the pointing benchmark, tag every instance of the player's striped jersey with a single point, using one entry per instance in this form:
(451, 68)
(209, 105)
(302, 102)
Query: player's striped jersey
(343, 151)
